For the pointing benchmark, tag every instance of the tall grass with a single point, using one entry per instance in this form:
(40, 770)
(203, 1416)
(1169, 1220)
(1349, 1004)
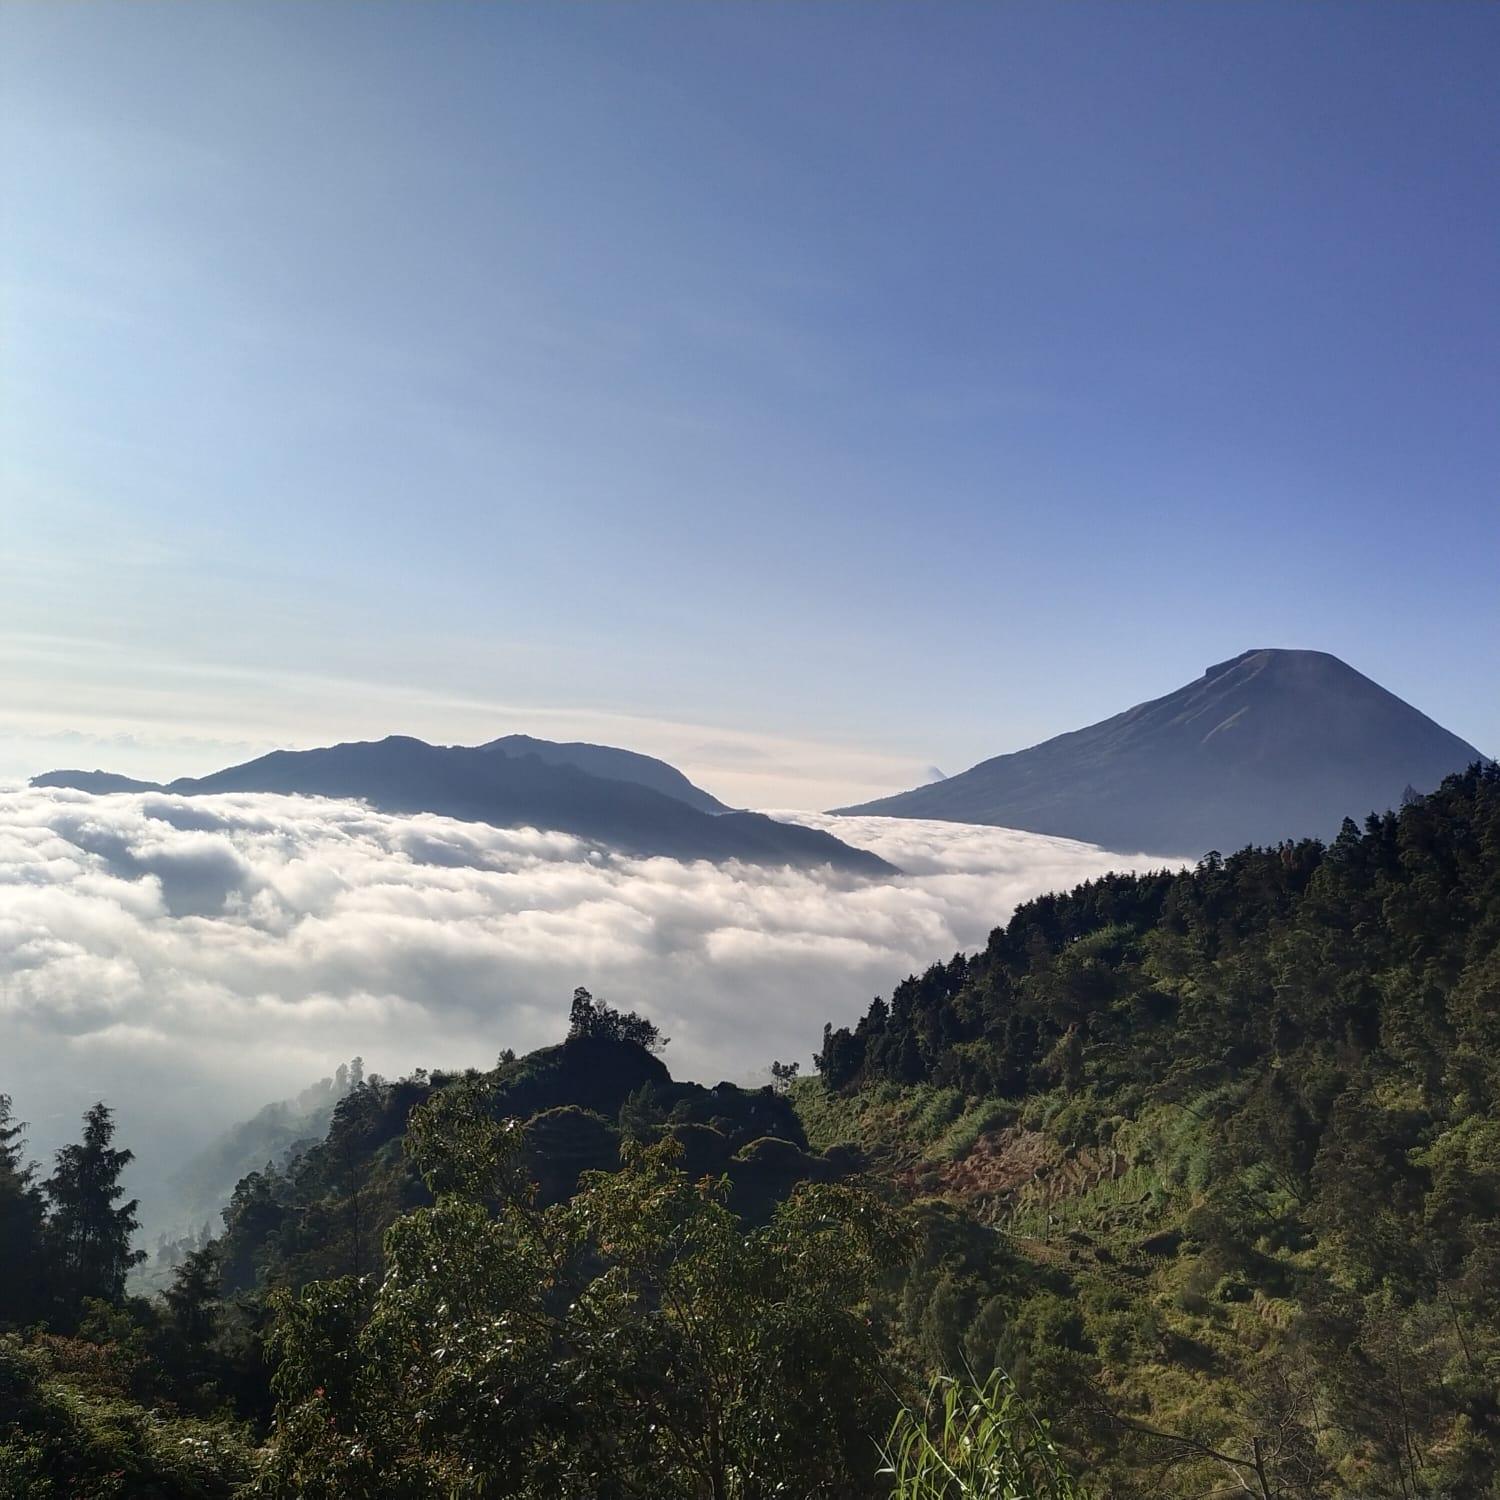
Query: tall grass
(959, 1138)
(974, 1442)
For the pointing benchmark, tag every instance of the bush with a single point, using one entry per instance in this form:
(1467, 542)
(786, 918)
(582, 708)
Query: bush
(58, 1442)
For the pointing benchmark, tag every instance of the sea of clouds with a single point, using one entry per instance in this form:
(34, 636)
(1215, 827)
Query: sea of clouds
(190, 959)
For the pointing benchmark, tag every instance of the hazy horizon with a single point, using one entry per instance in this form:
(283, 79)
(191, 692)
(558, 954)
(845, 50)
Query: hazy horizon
(756, 770)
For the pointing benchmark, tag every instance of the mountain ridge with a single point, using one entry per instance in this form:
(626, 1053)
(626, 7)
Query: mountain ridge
(401, 774)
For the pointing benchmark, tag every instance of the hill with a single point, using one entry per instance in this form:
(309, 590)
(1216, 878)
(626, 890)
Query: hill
(1269, 745)
(1243, 1122)
(486, 785)
(607, 761)
(585, 1179)
(325, 1212)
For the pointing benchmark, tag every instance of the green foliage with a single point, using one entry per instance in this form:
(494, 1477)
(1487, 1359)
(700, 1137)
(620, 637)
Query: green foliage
(974, 1121)
(22, 1211)
(89, 1238)
(591, 1018)
(636, 1339)
(324, 1213)
(1261, 1202)
(69, 1431)
(974, 1443)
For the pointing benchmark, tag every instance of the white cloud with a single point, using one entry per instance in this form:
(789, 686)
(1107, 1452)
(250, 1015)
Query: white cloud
(190, 959)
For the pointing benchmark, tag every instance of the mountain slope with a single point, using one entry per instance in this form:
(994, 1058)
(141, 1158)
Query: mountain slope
(611, 763)
(404, 775)
(1250, 1113)
(1269, 745)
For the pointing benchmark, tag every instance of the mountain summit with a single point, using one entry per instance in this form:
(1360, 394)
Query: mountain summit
(611, 763)
(1268, 745)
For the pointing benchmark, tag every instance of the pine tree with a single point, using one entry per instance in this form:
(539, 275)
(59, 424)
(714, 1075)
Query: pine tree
(188, 1340)
(21, 1222)
(91, 1238)
(193, 1298)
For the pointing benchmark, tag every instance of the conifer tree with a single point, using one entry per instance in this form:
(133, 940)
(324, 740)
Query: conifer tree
(91, 1237)
(21, 1220)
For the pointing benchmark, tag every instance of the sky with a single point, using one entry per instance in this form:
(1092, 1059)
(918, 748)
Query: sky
(812, 394)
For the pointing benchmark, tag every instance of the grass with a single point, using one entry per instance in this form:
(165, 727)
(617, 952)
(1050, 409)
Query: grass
(977, 1120)
(974, 1442)
(920, 1122)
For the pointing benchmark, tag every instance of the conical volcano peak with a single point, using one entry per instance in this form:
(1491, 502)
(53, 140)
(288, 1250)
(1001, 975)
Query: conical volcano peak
(1271, 744)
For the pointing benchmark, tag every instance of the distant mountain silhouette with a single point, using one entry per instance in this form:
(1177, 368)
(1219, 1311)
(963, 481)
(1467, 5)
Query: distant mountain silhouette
(1269, 745)
(612, 764)
(486, 785)
(95, 781)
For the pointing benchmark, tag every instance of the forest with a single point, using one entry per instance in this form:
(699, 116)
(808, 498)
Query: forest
(1187, 1184)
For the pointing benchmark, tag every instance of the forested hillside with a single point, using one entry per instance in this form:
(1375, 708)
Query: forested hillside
(1247, 1115)
(1203, 1168)
(569, 1275)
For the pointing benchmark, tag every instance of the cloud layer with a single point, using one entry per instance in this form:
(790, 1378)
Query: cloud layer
(190, 959)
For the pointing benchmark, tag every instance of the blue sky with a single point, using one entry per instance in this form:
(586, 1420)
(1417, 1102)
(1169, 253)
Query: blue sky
(808, 392)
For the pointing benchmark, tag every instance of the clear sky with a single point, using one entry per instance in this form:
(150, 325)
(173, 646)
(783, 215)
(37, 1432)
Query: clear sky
(810, 392)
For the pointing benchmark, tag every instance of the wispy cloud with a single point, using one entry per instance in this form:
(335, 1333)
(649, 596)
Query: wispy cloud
(122, 709)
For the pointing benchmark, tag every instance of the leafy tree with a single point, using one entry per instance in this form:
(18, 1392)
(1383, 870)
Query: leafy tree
(642, 1114)
(69, 1432)
(90, 1237)
(634, 1342)
(589, 1017)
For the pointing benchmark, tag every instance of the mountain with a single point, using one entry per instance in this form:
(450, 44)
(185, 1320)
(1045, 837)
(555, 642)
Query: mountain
(97, 782)
(608, 761)
(1268, 745)
(612, 764)
(483, 785)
